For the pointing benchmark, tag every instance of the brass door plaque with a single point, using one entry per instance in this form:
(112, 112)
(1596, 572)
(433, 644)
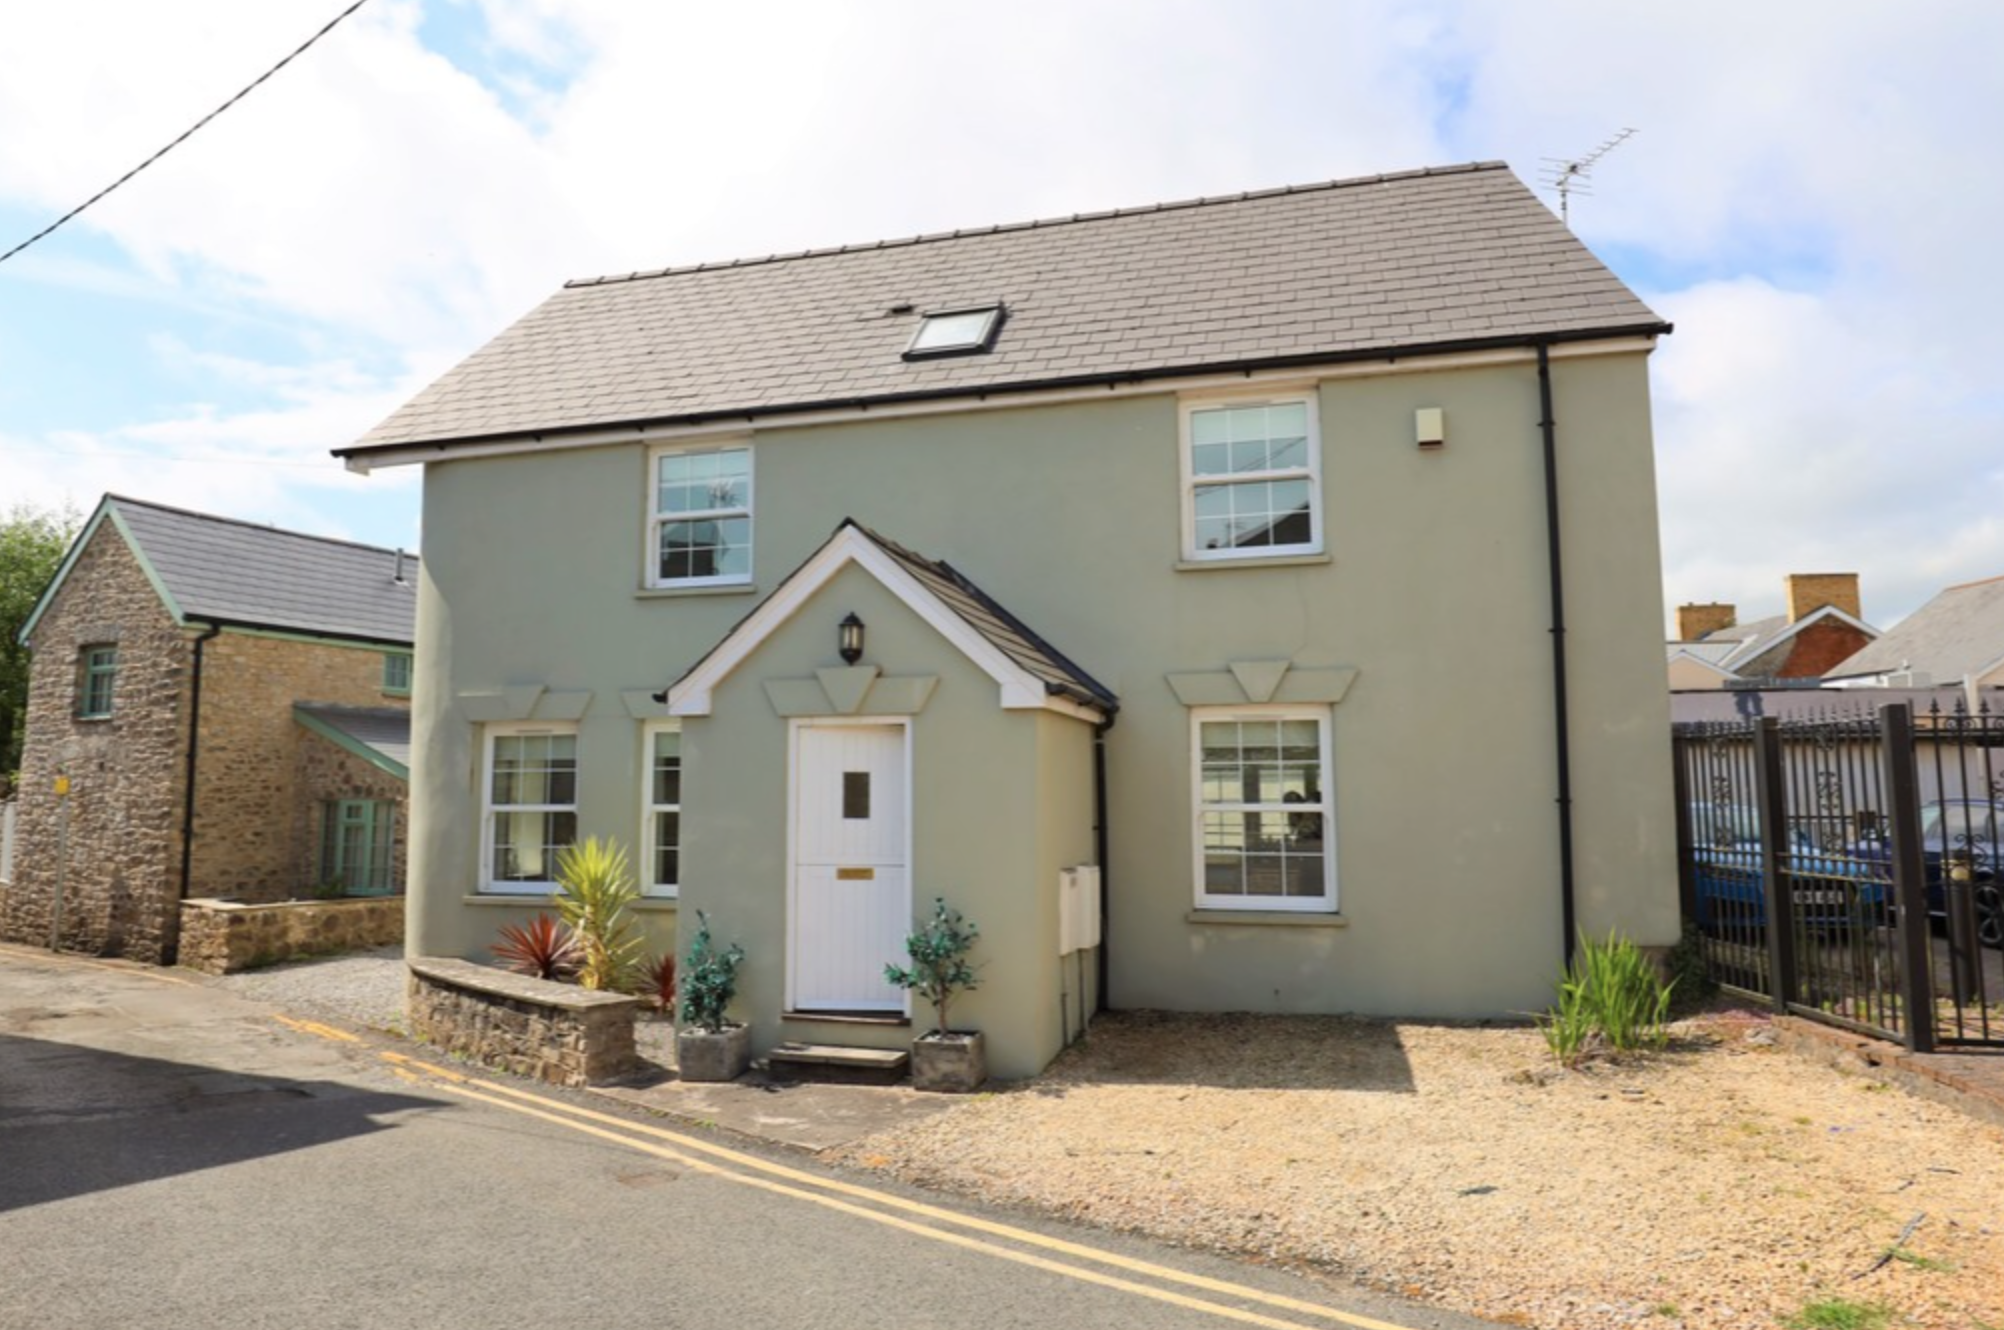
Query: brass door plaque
(855, 875)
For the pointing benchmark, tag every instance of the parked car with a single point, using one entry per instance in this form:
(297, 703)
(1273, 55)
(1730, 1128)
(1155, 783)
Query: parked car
(1832, 889)
(1958, 837)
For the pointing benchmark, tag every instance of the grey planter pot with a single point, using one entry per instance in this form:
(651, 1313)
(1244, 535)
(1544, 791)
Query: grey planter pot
(702, 1056)
(955, 1063)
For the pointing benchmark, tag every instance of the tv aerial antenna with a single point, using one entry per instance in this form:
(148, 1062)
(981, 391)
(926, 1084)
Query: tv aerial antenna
(1574, 175)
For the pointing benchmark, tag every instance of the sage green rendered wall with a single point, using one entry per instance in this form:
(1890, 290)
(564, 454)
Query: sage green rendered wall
(1436, 591)
(975, 784)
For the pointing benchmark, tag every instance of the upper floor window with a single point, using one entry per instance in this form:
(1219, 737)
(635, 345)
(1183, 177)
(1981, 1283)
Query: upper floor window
(700, 527)
(1251, 478)
(531, 803)
(97, 672)
(397, 673)
(1263, 809)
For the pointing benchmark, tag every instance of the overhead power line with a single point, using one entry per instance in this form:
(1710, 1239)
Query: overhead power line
(187, 133)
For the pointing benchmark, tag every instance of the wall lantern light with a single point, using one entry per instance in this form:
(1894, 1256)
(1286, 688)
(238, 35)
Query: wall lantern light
(851, 639)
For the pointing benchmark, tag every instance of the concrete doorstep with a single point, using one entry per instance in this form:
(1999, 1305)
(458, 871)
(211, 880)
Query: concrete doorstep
(768, 1102)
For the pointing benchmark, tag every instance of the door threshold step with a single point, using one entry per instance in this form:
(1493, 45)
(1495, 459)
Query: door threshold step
(833, 1062)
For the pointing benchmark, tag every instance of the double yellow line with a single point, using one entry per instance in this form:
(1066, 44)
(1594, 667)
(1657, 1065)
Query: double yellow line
(915, 1217)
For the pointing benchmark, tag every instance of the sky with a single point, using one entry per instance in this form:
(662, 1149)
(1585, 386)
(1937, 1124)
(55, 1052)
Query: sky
(1805, 198)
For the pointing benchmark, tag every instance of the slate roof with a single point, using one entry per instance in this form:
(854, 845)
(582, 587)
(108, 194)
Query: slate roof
(259, 576)
(1003, 630)
(1960, 632)
(1446, 258)
(1744, 640)
(385, 731)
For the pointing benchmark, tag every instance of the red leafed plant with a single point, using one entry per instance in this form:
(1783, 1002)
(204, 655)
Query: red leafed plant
(657, 981)
(542, 947)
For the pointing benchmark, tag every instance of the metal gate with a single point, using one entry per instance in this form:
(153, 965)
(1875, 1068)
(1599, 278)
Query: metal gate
(1847, 868)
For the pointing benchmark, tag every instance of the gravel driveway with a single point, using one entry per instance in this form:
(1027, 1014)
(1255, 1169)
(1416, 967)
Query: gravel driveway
(1724, 1183)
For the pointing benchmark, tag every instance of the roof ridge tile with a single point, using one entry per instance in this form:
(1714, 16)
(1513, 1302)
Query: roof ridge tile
(1105, 214)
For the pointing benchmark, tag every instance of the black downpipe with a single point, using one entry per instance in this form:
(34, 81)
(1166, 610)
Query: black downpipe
(1099, 838)
(194, 749)
(1560, 721)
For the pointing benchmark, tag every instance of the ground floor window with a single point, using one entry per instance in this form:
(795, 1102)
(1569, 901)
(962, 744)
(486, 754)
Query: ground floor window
(1264, 816)
(358, 846)
(531, 806)
(663, 811)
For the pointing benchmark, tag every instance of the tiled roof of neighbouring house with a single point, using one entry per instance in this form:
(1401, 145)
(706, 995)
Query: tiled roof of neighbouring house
(1959, 632)
(259, 576)
(384, 731)
(1452, 257)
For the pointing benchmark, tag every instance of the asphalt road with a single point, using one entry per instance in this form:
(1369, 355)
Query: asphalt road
(173, 1156)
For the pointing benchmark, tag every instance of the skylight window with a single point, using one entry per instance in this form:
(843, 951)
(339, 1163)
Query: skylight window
(955, 332)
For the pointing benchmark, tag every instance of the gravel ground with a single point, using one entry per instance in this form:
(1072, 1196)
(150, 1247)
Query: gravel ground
(1723, 1183)
(364, 988)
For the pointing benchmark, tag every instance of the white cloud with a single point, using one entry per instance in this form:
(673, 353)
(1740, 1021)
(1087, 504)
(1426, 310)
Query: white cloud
(1805, 199)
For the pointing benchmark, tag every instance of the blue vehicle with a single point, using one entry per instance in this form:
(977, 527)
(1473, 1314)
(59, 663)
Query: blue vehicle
(1959, 843)
(1832, 889)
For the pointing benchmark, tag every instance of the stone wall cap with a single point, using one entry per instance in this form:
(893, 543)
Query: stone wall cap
(226, 904)
(457, 973)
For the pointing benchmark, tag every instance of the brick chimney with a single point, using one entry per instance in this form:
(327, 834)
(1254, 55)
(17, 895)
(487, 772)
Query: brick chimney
(1694, 621)
(1810, 592)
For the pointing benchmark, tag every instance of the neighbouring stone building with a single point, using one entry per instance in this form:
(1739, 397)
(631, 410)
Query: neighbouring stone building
(215, 709)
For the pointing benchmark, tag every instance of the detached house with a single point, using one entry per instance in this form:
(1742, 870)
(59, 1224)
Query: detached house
(215, 709)
(1173, 590)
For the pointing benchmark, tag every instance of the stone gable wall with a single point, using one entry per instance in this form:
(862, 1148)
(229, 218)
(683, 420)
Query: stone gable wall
(248, 782)
(114, 843)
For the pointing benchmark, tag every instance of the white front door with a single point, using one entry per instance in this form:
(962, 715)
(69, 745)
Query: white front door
(852, 903)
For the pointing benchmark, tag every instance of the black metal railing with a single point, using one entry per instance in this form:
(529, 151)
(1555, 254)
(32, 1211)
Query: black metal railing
(1870, 840)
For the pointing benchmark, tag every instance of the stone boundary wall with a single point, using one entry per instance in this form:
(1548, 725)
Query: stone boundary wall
(558, 1033)
(224, 936)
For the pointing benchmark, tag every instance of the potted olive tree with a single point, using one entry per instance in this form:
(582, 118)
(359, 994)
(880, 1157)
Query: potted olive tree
(707, 1046)
(944, 1058)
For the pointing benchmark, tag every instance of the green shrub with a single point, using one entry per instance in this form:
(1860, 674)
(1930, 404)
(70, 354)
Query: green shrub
(709, 979)
(938, 954)
(1690, 979)
(594, 891)
(1610, 1000)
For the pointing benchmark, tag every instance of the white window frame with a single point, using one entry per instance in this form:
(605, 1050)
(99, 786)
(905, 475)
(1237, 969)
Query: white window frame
(1188, 410)
(656, 519)
(488, 884)
(1326, 903)
(648, 809)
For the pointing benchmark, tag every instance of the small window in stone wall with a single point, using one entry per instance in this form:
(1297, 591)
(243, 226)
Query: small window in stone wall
(97, 673)
(357, 847)
(397, 673)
